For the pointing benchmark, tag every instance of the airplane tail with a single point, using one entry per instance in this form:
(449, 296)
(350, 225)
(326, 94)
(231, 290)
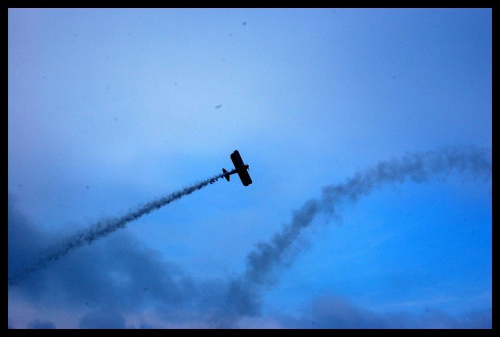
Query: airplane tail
(227, 177)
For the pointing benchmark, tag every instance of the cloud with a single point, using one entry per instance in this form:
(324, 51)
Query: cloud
(24, 238)
(102, 229)
(120, 270)
(329, 312)
(117, 275)
(333, 312)
(37, 324)
(102, 319)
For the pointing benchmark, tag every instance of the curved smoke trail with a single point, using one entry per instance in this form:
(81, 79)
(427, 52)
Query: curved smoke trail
(105, 227)
(244, 292)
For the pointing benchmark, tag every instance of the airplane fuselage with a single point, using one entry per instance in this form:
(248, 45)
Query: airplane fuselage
(240, 168)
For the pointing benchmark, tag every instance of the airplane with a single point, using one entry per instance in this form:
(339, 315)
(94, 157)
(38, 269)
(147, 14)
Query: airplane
(240, 168)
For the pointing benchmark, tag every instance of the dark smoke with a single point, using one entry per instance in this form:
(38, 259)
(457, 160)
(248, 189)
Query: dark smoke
(269, 256)
(103, 228)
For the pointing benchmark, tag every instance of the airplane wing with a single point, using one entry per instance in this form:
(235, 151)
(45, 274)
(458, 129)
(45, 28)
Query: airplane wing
(241, 167)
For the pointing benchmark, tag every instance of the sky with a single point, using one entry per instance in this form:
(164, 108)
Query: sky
(367, 131)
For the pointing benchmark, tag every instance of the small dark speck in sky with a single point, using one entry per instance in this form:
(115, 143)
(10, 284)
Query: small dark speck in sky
(218, 106)
(87, 187)
(244, 23)
(116, 119)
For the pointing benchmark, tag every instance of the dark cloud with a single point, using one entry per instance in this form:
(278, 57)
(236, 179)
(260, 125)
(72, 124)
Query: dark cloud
(102, 319)
(37, 324)
(116, 270)
(112, 276)
(24, 238)
(329, 312)
(332, 312)
(99, 230)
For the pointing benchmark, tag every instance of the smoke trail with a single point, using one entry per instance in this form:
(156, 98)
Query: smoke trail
(105, 227)
(243, 294)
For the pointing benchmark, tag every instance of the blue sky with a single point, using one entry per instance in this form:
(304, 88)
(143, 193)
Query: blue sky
(110, 109)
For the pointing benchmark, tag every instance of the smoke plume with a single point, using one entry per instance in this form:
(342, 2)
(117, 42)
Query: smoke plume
(267, 257)
(103, 228)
